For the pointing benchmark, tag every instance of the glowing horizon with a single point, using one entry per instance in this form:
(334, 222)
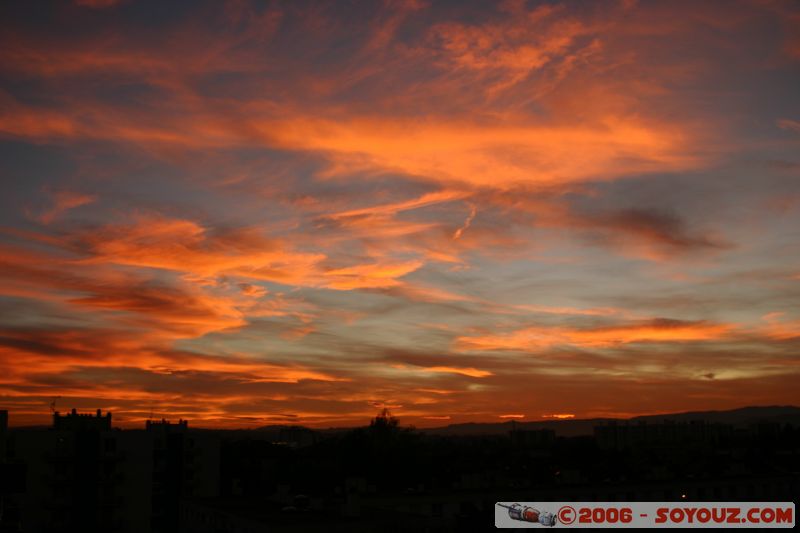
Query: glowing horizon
(242, 214)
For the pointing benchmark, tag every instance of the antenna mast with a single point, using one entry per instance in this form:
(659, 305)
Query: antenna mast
(53, 404)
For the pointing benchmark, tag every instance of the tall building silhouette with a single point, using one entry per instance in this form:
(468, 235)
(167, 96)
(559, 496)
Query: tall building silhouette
(83, 475)
(185, 465)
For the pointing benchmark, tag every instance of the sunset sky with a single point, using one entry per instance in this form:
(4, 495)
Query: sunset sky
(301, 212)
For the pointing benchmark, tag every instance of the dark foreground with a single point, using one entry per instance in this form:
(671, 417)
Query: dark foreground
(83, 475)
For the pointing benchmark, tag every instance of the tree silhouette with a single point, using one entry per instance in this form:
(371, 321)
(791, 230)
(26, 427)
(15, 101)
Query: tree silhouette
(384, 421)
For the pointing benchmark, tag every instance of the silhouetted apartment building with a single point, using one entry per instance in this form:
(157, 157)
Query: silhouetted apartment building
(12, 481)
(185, 465)
(83, 475)
(3, 433)
(75, 421)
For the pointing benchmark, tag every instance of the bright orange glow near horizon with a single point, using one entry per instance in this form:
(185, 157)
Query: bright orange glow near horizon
(246, 213)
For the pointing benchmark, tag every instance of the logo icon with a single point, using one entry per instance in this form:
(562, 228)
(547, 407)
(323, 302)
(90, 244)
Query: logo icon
(524, 513)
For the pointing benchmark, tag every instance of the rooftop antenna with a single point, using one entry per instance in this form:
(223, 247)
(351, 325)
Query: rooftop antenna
(53, 404)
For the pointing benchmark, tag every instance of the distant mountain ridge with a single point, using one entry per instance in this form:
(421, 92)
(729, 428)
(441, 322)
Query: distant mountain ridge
(584, 426)
(575, 427)
(564, 428)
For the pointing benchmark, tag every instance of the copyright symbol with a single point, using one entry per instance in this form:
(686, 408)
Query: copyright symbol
(566, 515)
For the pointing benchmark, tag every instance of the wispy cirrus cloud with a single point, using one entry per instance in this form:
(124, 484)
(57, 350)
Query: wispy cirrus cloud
(63, 201)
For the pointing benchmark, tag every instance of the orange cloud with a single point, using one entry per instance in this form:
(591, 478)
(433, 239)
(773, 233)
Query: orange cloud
(779, 329)
(789, 125)
(185, 246)
(483, 153)
(534, 338)
(186, 312)
(177, 310)
(369, 276)
(471, 372)
(380, 211)
(63, 201)
(464, 371)
(39, 352)
(499, 154)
